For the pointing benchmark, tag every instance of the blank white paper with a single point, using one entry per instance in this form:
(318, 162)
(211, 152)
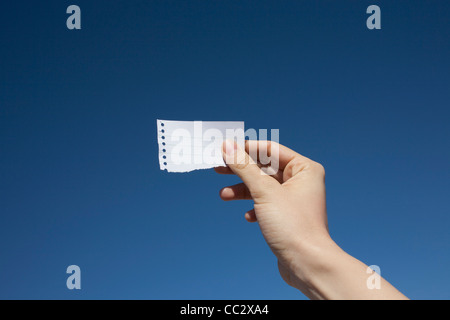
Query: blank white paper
(191, 145)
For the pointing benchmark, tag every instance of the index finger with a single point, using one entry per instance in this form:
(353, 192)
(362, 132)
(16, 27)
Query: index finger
(273, 151)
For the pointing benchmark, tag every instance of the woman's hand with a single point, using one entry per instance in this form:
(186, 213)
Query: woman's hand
(290, 207)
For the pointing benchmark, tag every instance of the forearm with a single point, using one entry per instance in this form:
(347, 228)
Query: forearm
(325, 271)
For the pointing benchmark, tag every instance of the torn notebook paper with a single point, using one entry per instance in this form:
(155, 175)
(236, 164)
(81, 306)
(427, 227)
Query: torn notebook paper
(191, 145)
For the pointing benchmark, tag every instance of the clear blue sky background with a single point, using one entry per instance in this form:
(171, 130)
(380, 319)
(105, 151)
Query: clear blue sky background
(79, 175)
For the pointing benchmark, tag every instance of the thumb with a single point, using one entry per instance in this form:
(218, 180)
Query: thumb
(258, 183)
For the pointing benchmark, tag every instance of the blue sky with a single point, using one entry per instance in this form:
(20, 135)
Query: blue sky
(79, 175)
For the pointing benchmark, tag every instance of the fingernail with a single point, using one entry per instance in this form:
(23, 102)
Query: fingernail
(230, 147)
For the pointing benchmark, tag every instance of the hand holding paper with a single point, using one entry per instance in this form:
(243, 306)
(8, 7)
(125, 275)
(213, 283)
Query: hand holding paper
(290, 207)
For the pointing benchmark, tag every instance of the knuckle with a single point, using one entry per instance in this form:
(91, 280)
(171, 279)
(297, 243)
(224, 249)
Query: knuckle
(318, 168)
(241, 165)
(296, 166)
(242, 162)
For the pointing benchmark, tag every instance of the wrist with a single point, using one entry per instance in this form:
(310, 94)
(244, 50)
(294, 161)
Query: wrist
(313, 261)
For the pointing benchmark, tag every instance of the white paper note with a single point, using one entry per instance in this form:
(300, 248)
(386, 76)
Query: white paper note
(191, 145)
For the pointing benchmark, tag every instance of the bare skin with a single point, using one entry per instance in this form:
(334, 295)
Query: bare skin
(290, 208)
